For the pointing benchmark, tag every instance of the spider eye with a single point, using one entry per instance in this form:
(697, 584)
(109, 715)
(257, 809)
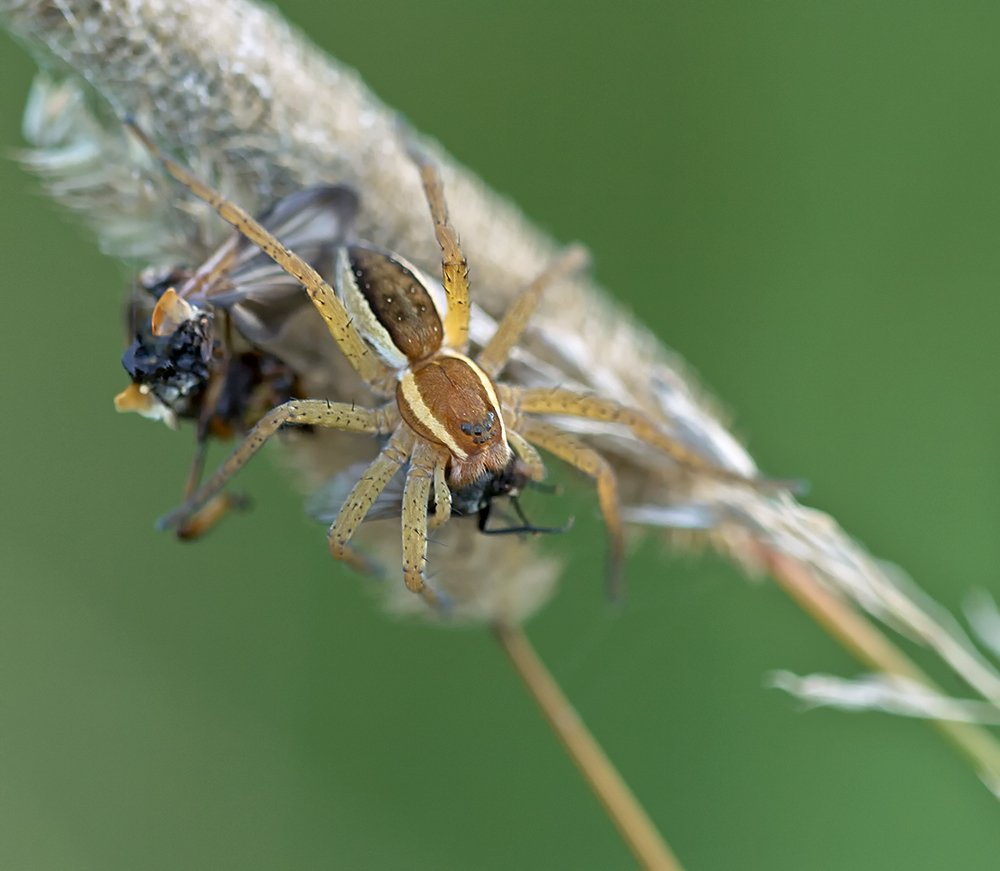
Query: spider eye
(480, 430)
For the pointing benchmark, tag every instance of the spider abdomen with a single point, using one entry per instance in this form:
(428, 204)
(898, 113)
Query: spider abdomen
(390, 301)
(450, 401)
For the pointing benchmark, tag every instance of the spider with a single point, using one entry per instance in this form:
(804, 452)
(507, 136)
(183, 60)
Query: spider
(446, 415)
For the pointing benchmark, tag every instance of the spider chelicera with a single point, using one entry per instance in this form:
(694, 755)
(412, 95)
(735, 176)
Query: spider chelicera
(446, 415)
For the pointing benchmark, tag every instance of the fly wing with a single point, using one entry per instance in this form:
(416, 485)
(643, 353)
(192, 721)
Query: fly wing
(311, 218)
(326, 502)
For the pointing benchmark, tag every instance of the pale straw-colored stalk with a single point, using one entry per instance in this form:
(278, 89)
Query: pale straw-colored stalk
(623, 808)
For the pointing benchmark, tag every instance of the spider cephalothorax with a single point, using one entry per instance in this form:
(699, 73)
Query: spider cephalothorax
(447, 420)
(450, 401)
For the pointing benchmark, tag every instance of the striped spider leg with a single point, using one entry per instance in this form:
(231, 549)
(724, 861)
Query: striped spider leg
(447, 417)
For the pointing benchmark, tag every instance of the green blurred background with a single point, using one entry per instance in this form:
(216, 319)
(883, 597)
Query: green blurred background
(804, 200)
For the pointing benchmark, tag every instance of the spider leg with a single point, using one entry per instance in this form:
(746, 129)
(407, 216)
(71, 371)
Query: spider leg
(454, 266)
(416, 491)
(210, 515)
(527, 455)
(571, 450)
(206, 517)
(197, 468)
(323, 297)
(558, 401)
(363, 495)
(494, 356)
(442, 494)
(298, 412)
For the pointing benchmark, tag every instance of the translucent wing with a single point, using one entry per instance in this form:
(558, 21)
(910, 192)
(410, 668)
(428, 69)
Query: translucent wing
(259, 295)
(324, 504)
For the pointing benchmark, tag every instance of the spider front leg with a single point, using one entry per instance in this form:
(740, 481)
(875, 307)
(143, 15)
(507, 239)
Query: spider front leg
(203, 520)
(574, 452)
(212, 513)
(206, 518)
(454, 266)
(298, 412)
(424, 463)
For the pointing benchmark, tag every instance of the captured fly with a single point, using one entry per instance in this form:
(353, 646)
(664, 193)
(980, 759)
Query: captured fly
(202, 339)
(478, 497)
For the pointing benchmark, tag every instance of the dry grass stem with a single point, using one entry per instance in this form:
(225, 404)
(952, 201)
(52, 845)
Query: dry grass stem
(624, 810)
(871, 647)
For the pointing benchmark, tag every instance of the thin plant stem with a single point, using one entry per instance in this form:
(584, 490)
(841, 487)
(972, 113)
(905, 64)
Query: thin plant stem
(620, 803)
(867, 644)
